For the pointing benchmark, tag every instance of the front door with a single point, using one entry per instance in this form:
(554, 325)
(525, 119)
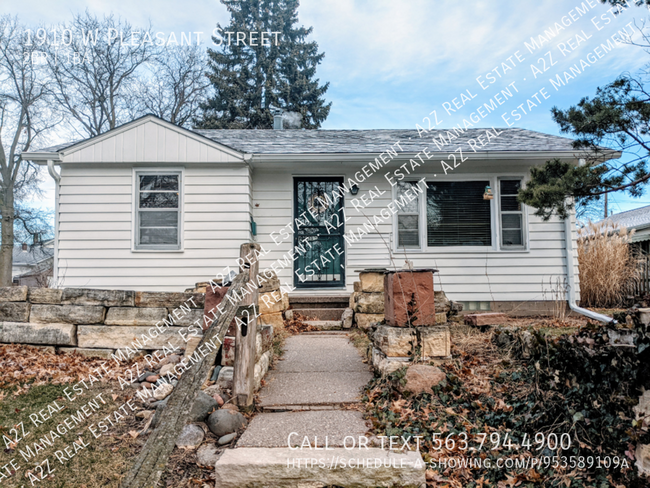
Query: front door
(319, 229)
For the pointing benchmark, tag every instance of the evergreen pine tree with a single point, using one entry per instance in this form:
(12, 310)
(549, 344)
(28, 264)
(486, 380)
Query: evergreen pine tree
(249, 80)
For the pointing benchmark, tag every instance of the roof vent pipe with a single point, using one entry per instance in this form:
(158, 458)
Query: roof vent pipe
(277, 118)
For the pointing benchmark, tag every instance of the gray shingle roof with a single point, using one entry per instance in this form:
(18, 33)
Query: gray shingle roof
(639, 217)
(31, 257)
(374, 141)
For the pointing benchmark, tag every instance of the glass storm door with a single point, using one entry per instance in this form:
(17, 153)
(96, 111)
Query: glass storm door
(319, 227)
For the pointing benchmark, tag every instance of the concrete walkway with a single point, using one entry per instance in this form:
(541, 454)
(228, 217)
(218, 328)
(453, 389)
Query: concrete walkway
(308, 413)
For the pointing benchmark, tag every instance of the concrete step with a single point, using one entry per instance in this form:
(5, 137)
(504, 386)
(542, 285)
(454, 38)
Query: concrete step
(325, 324)
(316, 301)
(284, 467)
(320, 313)
(288, 429)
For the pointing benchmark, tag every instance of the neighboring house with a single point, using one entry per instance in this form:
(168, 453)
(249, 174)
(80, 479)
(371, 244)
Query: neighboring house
(33, 264)
(639, 220)
(151, 206)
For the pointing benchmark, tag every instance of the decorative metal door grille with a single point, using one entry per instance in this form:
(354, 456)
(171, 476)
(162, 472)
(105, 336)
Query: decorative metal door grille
(319, 228)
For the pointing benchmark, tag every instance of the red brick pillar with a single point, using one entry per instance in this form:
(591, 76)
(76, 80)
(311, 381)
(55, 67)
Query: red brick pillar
(409, 298)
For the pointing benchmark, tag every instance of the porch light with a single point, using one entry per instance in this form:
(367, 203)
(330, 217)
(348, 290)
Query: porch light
(488, 195)
(354, 189)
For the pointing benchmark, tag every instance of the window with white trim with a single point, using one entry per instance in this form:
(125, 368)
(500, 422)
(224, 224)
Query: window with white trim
(458, 215)
(408, 216)
(158, 210)
(512, 214)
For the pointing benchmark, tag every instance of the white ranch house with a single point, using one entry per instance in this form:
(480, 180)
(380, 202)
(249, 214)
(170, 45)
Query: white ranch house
(154, 207)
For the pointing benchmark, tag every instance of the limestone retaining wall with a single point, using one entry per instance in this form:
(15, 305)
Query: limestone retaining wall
(96, 322)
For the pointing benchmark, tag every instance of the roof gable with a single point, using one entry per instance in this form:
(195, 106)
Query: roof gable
(149, 139)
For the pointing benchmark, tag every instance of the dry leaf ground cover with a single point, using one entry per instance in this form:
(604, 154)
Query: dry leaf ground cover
(565, 380)
(31, 380)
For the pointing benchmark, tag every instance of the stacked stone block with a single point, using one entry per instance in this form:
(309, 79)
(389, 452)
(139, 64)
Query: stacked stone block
(412, 329)
(367, 301)
(95, 322)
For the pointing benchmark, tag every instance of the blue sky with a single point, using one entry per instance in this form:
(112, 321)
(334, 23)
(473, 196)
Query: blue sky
(391, 63)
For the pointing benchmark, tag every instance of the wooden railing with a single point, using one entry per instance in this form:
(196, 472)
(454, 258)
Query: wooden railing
(152, 460)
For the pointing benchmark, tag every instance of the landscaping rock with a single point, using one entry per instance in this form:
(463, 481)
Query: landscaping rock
(435, 341)
(224, 422)
(30, 333)
(288, 314)
(441, 302)
(270, 283)
(212, 390)
(441, 318)
(67, 314)
(45, 295)
(13, 293)
(185, 317)
(273, 319)
(145, 375)
(357, 286)
(367, 320)
(207, 455)
(230, 406)
(88, 353)
(369, 303)
(191, 437)
(167, 368)
(16, 312)
(480, 319)
(273, 302)
(202, 407)
(261, 367)
(157, 299)
(420, 378)
(267, 336)
(171, 359)
(106, 298)
(372, 282)
(385, 365)
(346, 318)
(225, 377)
(152, 378)
(218, 399)
(226, 439)
(163, 391)
(119, 336)
(395, 341)
(135, 316)
(144, 414)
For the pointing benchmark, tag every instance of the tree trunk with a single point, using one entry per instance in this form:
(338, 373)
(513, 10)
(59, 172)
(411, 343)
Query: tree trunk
(7, 244)
(152, 460)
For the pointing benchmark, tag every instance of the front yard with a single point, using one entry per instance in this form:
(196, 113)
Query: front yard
(541, 404)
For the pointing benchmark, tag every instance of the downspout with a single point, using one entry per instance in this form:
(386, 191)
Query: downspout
(57, 180)
(570, 275)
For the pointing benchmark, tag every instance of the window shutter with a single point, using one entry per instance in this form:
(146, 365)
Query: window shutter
(457, 214)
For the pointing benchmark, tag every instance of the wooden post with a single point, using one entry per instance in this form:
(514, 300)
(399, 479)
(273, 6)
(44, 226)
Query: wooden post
(246, 345)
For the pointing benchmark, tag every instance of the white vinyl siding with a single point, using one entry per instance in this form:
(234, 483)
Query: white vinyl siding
(465, 274)
(95, 240)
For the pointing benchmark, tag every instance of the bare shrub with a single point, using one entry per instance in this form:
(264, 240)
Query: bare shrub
(607, 267)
